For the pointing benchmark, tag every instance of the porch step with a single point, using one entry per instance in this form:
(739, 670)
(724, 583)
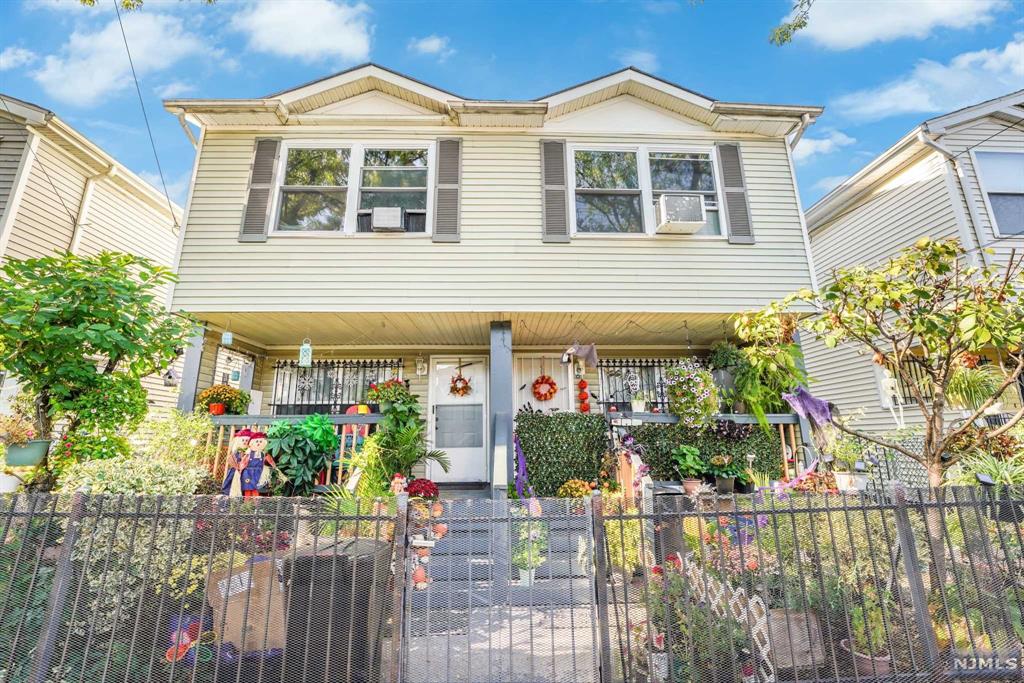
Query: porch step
(441, 595)
(462, 568)
(483, 542)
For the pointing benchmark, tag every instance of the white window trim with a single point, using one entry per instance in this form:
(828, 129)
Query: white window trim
(984, 194)
(355, 170)
(643, 152)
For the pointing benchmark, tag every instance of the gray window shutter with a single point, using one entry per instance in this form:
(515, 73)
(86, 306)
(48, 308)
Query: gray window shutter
(734, 187)
(255, 218)
(555, 217)
(448, 193)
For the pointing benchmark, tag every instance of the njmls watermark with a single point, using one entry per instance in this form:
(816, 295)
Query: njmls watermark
(1011, 660)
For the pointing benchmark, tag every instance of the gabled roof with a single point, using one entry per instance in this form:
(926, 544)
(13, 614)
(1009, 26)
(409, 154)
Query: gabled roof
(1009, 108)
(301, 104)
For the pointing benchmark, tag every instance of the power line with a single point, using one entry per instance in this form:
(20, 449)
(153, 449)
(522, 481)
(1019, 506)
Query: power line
(145, 117)
(1002, 130)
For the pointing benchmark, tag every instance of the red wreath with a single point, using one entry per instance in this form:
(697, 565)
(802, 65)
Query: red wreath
(544, 388)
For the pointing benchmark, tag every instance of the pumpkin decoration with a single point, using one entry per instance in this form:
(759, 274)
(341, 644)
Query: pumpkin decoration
(544, 388)
(583, 396)
(440, 530)
(419, 578)
(585, 407)
(460, 385)
(582, 384)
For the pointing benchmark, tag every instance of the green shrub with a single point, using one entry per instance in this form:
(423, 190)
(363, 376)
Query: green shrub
(561, 446)
(658, 441)
(131, 476)
(178, 437)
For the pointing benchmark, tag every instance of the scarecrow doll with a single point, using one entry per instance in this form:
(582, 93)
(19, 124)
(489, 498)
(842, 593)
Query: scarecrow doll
(239, 449)
(249, 471)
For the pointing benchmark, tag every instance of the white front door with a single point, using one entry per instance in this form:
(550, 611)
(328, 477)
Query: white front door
(459, 423)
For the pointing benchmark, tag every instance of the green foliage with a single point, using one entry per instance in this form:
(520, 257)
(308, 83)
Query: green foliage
(725, 356)
(969, 387)
(236, 401)
(116, 403)
(774, 362)
(132, 476)
(529, 542)
(179, 437)
(302, 450)
(688, 462)
(404, 449)
(561, 446)
(868, 625)
(847, 451)
(692, 394)
(1008, 471)
(784, 32)
(658, 441)
(82, 447)
(65, 316)
(574, 488)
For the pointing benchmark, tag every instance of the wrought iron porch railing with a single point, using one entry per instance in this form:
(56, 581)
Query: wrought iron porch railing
(328, 386)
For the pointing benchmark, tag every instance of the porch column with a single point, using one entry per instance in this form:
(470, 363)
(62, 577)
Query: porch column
(501, 419)
(810, 453)
(190, 373)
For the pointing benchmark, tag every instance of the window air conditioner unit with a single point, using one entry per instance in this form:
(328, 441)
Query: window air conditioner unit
(387, 219)
(681, 214)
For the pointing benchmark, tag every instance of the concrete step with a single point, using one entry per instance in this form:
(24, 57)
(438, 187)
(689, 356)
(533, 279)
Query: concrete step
(461, 567)
(442, 595)
(484, 543)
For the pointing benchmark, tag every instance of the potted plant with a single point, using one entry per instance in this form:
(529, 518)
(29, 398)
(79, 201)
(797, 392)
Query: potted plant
(690, 467)
(302, 450)
(867, 631)
(725, 469)
(385, 394)
(530, 548)
(18, 437)
(849, 464)
(724, 360)
(692, 394)
(638, 403)
(223, 399)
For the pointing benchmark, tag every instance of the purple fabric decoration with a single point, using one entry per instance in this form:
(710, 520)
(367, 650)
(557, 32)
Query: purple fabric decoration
(522, 482)
(808, 406)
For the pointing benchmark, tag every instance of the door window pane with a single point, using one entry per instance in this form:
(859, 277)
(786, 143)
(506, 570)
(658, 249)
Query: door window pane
(459, 426)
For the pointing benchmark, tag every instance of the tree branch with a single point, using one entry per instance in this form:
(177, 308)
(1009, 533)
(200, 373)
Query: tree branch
(875, 440)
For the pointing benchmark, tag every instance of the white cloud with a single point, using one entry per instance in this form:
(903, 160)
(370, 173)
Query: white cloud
(173, 89)
(177, 188)
(641, 59)
(90, 66)
(809, 147)
(432, 45)
(12, 57)
(844, 25)
(309, 30)
(829, 183)
(968, 78)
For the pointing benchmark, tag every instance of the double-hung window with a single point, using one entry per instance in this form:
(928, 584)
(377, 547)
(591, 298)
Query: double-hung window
(1001, 178)
(314, 189)
(394, 178)
(608, 196)
(689, 173)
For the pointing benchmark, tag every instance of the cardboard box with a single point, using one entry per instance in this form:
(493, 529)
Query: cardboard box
(248, 606)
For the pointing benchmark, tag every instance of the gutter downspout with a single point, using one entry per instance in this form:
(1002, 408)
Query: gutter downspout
(188, 131)
(958, 188)
(805, 122)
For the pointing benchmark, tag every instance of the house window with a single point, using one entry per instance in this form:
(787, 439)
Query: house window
(623, 379)
(608, 197)
(686, 173)
(329, 387)
(1001, 178)
(394, 178)
(904, 388)
(314, 190)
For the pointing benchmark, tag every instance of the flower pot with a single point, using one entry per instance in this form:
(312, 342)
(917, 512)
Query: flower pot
(866, 665)
(527, 577)
(725, 484)
(638, 405)
(690, 486)
(217, 408)
(851, 482)
(29, 455)
(9, 483)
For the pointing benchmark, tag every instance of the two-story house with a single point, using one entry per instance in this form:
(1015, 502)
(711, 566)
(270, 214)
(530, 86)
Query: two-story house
(956, 176)
(400, 229)
(60, 192)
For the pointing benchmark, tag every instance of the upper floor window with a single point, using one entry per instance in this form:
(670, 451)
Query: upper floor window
(394, 177)
(618, 191)
(1001, 178)
(314, 189)
(608, 197)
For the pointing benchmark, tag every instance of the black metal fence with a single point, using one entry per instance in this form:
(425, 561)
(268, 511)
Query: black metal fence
(918, 586)
(327, 386)
(623, 379)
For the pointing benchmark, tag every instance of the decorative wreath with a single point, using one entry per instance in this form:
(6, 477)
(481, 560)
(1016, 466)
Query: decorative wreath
(460, 386)
(544, 388)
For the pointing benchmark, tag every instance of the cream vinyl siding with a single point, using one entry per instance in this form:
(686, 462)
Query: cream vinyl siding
(898, 211)
(13, 138)
(501, 262)
(990, 135)
(43, 225)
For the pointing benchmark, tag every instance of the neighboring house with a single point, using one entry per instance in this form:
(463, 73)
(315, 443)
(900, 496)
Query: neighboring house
(60, 192)
(957, 176)
(405, 230)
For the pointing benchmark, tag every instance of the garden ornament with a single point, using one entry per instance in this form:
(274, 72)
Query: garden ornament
(891, 390)
(584, 352)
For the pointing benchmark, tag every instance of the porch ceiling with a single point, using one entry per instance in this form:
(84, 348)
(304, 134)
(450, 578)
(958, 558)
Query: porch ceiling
(460, 329)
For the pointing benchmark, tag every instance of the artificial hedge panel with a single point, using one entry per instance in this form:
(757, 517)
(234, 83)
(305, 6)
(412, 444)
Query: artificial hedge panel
(561, 446)
(658, 441)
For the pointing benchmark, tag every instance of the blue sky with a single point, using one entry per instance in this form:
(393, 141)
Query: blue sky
(879, 66)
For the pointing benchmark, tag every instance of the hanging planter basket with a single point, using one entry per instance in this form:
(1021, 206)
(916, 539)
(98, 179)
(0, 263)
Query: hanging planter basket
(29, 454)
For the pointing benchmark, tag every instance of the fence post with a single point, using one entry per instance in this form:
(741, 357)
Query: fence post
(398, 598)
(62, 579)
(601, 587)
(911, 563)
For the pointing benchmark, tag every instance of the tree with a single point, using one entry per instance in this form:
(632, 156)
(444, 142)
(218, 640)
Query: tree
(796, 21)
(926, 309)
(76, 328)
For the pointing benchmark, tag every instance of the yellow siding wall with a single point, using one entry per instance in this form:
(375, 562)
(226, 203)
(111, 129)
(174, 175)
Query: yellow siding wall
(501, 262)
(13, 138)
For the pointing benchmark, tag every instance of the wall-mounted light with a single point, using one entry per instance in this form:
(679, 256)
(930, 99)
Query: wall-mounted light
(306, 354)
(421, 366)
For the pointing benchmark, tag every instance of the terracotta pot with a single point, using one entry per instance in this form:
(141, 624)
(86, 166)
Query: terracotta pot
(28, 455)
(690, 486)
(217, 408)
(866, 665)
